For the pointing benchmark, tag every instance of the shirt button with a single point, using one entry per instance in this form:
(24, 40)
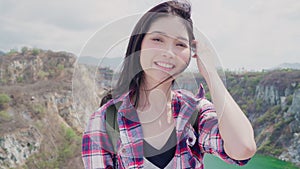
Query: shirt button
(123, 150)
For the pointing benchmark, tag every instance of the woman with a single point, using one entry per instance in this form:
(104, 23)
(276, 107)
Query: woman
(154, 120)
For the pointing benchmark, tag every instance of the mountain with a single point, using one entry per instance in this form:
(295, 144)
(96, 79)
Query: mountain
(38, 122)
(102, 62)
(288, 66)
(46, 98)
(114, 62)
(2, 53)
(271, 100)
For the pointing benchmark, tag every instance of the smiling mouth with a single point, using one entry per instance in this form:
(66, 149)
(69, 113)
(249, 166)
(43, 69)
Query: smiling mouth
(164, 65)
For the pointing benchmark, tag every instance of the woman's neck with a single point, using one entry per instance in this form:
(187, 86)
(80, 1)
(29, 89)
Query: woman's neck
(154, 109)
(154, 95)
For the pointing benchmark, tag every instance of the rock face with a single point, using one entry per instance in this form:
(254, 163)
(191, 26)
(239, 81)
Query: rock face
(41, 128)
(273, 108)
(276, 86)
(16, 147)
(268, 94)
(293, 151)
(28, 68)
(295, 107)
(285, 128)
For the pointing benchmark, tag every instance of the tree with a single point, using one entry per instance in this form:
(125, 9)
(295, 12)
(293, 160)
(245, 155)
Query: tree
(35, 51)
(12, 51)
(24, 50)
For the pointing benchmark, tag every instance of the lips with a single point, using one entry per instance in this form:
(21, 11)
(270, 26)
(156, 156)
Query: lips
(164, 65)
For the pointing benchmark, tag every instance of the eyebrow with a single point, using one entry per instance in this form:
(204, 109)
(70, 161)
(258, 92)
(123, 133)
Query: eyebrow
(164, 34)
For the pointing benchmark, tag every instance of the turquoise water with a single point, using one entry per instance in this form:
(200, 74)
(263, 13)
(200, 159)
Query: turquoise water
(257, 162)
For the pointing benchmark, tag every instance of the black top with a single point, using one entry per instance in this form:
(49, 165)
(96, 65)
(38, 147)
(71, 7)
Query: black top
(162, 157)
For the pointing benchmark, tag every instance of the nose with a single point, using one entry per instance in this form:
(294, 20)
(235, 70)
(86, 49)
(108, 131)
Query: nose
(168, 51)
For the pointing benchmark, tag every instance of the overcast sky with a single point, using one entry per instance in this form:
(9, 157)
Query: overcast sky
(256, 34)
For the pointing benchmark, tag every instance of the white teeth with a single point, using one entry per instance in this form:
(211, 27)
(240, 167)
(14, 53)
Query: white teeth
(166, 65)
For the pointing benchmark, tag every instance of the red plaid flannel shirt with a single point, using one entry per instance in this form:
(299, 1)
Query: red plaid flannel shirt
(191, 146)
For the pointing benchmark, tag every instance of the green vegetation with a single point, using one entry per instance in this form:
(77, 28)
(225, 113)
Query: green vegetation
(4, 116)
(12, 52)
(270, 149)
(24, 50)
(68, 146)
(257, 162)
(60, 67)
(259, 104)
(41, 74)
(39, 110)
(283, 78)
(3, 81)
(51, 73)
(43, 162)
(273, 133)
(242, 88)
(269, 116)
(289, 100)
(4, 100)
(35, 51)
(20, 79)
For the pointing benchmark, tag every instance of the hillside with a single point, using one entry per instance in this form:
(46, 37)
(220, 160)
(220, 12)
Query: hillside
(2, 53)
(46, 98)
(288, 66)
(271, 100)
(37, 119)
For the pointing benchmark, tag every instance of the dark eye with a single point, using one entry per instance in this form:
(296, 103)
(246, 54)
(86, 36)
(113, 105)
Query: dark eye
(181, 45)
(157, 39)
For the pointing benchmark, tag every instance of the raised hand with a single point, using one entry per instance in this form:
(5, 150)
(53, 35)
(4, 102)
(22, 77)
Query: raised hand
(205, 58)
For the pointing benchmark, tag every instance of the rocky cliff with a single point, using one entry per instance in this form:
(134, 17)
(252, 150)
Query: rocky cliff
(271, 101)
(40, 127)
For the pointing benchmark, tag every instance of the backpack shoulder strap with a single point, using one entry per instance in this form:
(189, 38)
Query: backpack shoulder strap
(194, 119)
(112, 127)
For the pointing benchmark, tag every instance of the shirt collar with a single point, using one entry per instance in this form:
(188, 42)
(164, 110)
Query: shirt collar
(183, 105)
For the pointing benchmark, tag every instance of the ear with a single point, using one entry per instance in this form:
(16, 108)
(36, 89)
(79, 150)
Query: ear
(194, 48)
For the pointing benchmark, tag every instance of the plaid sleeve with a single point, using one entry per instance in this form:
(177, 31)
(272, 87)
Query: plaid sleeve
(210, 140)
(96, 147)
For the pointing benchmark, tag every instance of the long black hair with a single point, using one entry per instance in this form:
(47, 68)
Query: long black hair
(132, 74)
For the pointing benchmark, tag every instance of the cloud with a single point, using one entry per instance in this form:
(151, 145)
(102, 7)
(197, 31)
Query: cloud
(59, 25)
(251, 34)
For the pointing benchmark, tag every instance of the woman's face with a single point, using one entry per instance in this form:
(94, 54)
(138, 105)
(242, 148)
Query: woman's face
(165, 49)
